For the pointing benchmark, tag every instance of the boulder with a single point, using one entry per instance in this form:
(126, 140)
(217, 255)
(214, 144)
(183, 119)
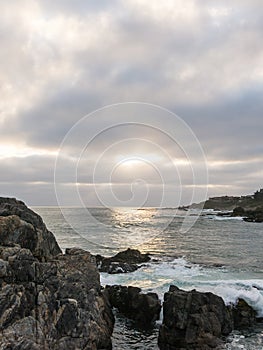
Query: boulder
(193, 320)
(244, 316)
(123, 262)
(142, 308)
(21, 225)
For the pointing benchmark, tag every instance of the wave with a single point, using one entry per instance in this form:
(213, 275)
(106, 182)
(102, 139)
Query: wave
(158, 277)
(223, 218)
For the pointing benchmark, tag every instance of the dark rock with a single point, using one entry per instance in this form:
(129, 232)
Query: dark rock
(67, 318)
(250, 214)
(244, 316)
(21, 225)
(131, 255)
(123, 262)
(144, 309)
(22, 266)
(117, 267)
(255, 215)
(193, 320)
(238, 211)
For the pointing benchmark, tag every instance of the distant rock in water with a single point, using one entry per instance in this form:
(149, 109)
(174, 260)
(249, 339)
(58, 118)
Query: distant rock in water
(123, 262)
(249, 215)
(21, 225)
(254, 215)
(48, 300)
(193, 320)
(142, 308)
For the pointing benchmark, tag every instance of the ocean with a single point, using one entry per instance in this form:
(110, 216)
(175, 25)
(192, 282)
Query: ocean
(218, 254)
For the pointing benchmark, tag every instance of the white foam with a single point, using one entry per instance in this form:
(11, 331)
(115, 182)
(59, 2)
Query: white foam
(231, 291)
(221, 218)
(158, 277)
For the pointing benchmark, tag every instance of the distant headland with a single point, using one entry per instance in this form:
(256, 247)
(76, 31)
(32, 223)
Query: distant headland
(250, 206)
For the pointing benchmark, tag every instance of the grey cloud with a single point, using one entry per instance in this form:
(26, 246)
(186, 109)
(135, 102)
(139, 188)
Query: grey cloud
(28, 169)
(31, 193)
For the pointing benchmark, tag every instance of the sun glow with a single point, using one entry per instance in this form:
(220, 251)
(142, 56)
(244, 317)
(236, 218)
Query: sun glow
(131, 162)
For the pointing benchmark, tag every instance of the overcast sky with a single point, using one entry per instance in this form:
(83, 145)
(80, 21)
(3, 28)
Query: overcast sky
(62, 60)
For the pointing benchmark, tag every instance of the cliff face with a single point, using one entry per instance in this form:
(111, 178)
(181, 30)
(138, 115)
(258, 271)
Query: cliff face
(48, 300)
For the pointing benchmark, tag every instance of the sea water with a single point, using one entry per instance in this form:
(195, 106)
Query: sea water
(219, 254)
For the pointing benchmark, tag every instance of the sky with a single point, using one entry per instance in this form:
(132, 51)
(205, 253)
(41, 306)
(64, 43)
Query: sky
(130, 102)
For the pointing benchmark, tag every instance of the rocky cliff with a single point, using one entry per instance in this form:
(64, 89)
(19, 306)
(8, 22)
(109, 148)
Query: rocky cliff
(48, 300)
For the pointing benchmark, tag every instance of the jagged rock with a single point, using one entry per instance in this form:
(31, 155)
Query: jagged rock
(193, 320)
(144, 309)
(244, 316)
(50, 301)
(21, 225)
(123, 262)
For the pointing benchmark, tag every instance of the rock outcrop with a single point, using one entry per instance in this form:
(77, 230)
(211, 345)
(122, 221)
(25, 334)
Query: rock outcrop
(193, 320)
(142, 308)
(123, 262)
(21, 225)
(255, 215)
(48, 300)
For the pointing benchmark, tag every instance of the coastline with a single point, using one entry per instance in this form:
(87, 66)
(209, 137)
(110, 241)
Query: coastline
(65, 262)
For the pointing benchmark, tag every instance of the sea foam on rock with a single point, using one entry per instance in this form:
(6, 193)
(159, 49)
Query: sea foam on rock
(48, 300)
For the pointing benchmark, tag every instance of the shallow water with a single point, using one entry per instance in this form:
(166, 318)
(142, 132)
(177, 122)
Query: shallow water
(221, 255)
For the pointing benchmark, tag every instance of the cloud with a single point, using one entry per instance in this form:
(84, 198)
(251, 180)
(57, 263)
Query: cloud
(202, 59)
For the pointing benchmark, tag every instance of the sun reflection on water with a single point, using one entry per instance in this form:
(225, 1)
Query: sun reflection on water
(132, 226)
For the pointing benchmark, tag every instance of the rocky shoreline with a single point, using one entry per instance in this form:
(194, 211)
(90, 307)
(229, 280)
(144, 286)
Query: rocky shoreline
(50, 300)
